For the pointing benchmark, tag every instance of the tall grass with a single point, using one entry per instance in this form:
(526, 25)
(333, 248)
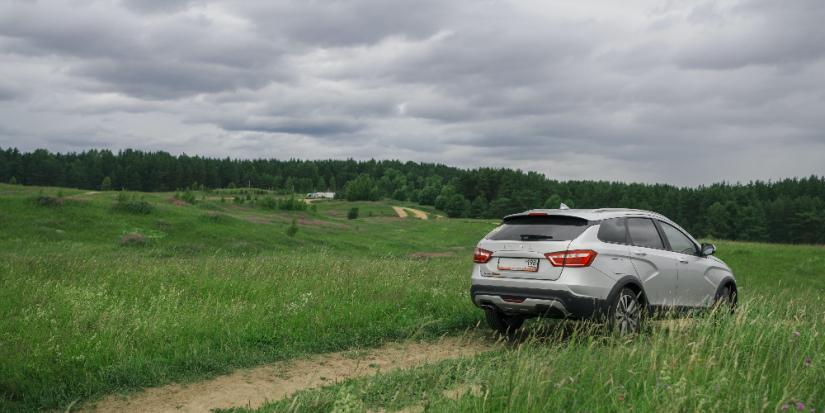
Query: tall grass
(77, 328)
(766, 356)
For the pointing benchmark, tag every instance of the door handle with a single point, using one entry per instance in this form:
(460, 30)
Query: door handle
(683, 260)
(640, 252)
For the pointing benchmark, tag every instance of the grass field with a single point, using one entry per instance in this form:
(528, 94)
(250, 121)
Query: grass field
(88, 309)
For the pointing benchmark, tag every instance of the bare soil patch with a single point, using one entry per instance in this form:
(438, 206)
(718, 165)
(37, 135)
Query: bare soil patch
(274, 382)
(402, 212)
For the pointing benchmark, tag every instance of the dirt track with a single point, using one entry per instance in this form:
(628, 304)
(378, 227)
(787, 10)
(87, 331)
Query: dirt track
(282, 379)
(402, 212)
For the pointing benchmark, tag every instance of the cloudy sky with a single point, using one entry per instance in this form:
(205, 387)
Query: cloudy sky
(681, 92)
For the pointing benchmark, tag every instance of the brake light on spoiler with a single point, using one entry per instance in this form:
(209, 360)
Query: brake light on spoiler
(482, 256)
(577, 258)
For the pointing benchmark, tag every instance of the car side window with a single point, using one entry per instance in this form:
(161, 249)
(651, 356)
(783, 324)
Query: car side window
(643, 233)
(613, 230)
(678, 241)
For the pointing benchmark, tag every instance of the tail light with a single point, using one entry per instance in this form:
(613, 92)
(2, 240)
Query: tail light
(578, 258)
(482, 256)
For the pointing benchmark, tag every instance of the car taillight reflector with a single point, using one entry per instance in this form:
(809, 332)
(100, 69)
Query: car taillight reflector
(482, 256)
(532, 214)
(578, 258)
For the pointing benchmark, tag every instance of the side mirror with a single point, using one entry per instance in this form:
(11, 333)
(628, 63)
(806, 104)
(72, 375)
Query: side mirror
(708, 249)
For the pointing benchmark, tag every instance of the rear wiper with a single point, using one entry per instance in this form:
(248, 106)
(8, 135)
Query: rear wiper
(528, 237)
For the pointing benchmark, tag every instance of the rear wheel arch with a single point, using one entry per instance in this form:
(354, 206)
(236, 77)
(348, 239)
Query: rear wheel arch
(630, 282)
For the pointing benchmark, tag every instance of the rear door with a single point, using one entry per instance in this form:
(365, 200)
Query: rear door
(694, 288)
(655, 265)
(613, 233)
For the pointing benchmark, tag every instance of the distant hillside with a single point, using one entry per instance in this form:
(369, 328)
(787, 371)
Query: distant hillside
(786, 211)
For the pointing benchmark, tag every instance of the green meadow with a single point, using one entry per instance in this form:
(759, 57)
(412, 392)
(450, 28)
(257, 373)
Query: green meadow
(96, 300)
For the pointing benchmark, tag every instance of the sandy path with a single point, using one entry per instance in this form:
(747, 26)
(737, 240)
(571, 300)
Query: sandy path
(282, 379)
(418, 214)
(401, 213)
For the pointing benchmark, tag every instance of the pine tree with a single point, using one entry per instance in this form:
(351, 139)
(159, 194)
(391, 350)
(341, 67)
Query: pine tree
(106, 185)
(718, 225)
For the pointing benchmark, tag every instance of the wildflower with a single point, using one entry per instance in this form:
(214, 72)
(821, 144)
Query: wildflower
(717, 387)
(800, 406)
(783, 407)
(807, 362)
(763, 377)
(571, 379)
(790, 340)
(796, 333)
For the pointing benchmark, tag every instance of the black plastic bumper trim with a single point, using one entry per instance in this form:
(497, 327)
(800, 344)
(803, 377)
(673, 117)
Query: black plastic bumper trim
(579, 307)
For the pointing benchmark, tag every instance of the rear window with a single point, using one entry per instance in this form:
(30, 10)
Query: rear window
(539, 228)
(613, 230)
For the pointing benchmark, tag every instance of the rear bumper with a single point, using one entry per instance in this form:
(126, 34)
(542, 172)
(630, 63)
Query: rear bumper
(537, 302)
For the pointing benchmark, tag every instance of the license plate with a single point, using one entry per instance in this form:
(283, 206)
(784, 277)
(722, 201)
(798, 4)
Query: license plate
(518, 264)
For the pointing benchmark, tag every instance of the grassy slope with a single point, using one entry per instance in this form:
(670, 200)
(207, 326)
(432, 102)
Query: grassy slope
(82, 315)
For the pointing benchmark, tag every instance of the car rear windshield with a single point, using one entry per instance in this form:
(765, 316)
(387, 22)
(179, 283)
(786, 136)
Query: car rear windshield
(539, 228)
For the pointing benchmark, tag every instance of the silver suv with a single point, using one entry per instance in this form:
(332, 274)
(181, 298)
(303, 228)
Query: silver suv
(594, 263)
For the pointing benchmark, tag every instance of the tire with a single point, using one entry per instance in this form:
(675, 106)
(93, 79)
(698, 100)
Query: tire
(725, 301)
(626, 313)
(501, 322)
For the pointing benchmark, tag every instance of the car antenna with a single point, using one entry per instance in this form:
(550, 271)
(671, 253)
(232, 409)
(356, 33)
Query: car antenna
(562, 206)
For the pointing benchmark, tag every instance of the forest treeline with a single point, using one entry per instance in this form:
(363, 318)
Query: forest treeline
(786, 211)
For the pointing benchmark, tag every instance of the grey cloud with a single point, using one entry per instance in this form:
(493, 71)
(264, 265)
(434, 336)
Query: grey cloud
(770, 33)
(176, 57)
(347, 23)
(641, 90)
(159, 6)
(312, 127)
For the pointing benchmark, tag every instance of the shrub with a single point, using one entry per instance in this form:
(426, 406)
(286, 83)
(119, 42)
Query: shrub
(186, 196)
(60, 193)
(49, 201)
(313, 208)
(133, 207)
(231, 185)
(440, 202)
(122, 196)
(106, 185)
(352, 213)
(400, 194)
(292, 229)
(292, 204)
(12, 181)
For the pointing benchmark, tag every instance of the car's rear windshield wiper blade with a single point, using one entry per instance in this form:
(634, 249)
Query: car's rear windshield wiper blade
(535, 236)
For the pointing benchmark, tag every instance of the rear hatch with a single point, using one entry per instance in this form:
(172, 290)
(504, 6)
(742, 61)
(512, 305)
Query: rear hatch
(518, 245)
